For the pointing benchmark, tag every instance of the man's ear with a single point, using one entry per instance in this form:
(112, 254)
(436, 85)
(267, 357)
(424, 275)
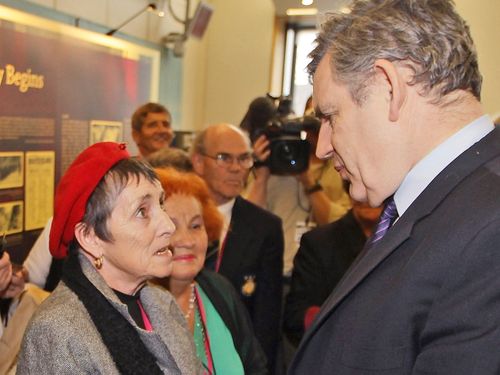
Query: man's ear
(88, 240)
(396, 84)
(197, 161)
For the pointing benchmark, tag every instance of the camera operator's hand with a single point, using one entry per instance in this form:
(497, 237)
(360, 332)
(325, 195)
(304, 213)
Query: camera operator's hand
(261, 152)
(261, 148)
(306, 179)
(318, 199)
(257, 190)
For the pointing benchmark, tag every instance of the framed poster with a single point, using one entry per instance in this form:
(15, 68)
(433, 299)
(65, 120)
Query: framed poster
(105, 131)
(11, 169)
(11, 217)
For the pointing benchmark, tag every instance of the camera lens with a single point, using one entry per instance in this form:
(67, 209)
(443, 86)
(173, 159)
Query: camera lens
(287, 153)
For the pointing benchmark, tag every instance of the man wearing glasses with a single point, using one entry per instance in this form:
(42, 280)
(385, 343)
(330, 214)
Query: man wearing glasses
(250, 252)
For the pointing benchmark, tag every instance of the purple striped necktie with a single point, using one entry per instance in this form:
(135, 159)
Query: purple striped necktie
(389, 214)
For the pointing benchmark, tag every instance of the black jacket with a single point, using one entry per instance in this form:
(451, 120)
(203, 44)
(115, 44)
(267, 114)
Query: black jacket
(324, 255)
(227, 303)
(253, 263)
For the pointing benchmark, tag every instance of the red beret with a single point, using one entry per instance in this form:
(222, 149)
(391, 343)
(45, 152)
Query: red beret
(75, 188)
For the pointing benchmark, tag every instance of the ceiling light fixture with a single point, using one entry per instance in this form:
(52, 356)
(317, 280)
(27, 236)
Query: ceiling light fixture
(301, 11)
(150, 7)
(307, 2)
(195, 26)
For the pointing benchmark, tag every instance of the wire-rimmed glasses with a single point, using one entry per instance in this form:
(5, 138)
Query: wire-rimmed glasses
(226, 160)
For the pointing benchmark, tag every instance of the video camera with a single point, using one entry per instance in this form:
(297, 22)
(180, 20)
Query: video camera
(287, 135)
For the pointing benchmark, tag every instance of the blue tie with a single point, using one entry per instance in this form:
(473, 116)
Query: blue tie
(389, 214)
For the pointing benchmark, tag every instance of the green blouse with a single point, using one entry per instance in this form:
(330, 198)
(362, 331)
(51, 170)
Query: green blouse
(225, 358)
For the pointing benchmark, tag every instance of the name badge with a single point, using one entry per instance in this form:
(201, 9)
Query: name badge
(302, 227)
(248, 287)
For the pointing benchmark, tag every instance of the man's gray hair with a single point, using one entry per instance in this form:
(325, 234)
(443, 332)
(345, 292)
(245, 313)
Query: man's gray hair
(199, 142)
(428, 36)
(198, 145)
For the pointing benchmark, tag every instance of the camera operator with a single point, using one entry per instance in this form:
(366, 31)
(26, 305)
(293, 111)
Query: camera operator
(303, 200)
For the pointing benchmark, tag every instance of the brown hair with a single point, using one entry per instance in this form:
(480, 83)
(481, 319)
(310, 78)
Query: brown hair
(187, 183)
(142, 112)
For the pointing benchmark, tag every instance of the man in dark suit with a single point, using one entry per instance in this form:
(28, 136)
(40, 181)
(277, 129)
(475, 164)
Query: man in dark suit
(397, 86)
(324, 255)
(251, 250)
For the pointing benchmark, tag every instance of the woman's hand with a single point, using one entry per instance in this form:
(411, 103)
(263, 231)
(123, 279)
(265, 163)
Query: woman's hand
(5, 272)
(16, 285)
(12, 279)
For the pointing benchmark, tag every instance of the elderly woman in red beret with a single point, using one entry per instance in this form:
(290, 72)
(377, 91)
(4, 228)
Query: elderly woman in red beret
(104, 317)
(221, 327)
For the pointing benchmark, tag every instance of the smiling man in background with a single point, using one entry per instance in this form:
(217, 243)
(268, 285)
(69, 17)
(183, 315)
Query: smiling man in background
(397, 86)
(152, 128)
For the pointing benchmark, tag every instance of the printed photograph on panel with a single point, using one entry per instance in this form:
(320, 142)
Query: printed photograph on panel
(11, 169)
(11, 217)
(38, 188)
(105, 131)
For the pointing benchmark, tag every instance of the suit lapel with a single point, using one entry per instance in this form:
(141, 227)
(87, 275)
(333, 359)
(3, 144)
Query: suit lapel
(433, 195)
(365, 263)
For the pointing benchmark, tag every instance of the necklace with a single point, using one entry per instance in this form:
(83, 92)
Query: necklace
(201, 338)
(192, 299)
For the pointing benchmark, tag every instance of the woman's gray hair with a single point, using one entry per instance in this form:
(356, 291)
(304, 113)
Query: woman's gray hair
(102, 201)
(428, 36)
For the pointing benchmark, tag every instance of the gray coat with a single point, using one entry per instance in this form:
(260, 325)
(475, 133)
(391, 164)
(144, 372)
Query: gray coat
(62, 339)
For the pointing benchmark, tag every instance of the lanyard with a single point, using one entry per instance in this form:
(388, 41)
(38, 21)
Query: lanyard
(206, 339)
(147, 324)
(221, 252)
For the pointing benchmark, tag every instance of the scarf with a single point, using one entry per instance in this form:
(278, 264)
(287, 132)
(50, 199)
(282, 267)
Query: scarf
(122, 340)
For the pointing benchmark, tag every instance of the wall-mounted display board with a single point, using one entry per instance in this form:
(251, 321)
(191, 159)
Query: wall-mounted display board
(61, 89)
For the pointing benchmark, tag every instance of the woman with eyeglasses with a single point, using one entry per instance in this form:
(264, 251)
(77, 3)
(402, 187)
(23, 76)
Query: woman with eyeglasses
(223, 334)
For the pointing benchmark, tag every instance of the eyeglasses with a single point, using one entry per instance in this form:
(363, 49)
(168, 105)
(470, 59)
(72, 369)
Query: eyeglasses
(225, 160)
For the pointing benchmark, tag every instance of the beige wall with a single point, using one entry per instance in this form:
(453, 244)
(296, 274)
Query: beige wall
(233, 64)
(194, 76)
(230, 66)
(483, 17)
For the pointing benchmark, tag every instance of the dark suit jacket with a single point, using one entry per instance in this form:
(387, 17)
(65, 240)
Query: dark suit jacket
(426, 298)
(253, 263)
(231, 310)
(324, 255)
